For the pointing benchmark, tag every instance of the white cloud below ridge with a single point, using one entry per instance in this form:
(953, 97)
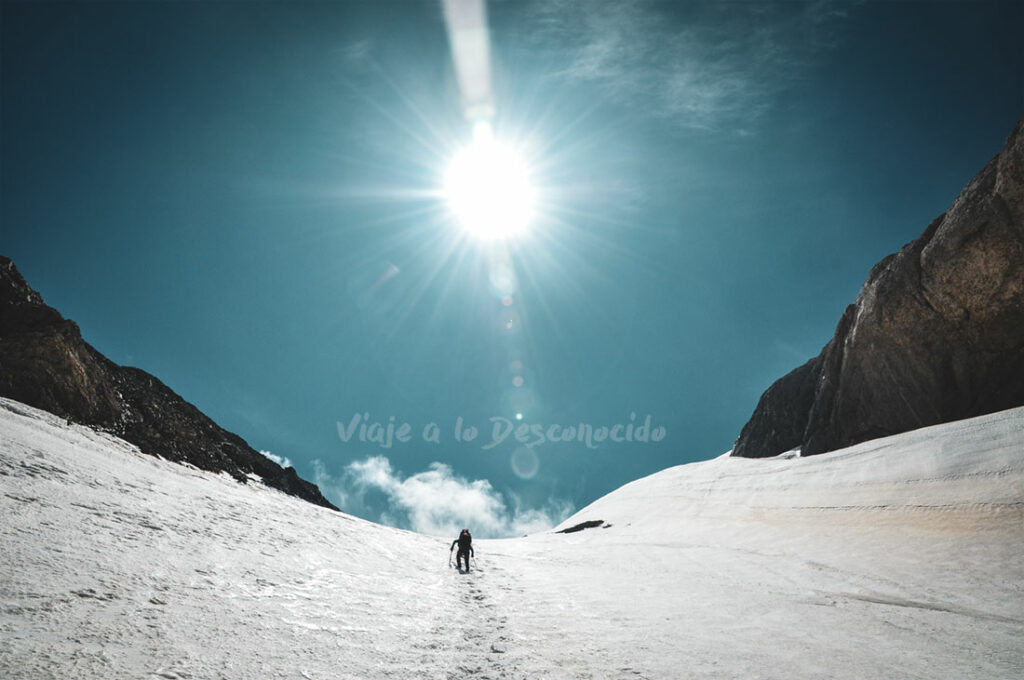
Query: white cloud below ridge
(436, 501)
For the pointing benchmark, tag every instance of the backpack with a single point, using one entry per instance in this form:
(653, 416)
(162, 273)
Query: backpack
(465, 540)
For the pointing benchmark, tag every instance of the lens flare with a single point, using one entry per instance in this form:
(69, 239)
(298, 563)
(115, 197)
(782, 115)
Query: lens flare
(488, 188)
(525, 463)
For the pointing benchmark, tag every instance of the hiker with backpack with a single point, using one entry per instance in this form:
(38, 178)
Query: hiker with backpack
(465, 543)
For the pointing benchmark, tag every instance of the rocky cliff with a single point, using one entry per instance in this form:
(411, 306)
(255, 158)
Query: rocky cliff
(936, 333)
(44, 362)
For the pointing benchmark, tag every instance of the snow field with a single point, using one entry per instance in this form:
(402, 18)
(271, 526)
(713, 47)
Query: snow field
(899, 558)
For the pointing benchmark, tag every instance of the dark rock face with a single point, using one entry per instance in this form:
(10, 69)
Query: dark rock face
(781, 415)
(936, 333)
(45, 363)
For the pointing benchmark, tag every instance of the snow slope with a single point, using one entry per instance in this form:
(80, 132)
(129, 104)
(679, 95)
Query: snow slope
(898, 558)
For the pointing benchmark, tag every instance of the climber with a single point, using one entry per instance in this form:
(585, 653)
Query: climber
(465, 543)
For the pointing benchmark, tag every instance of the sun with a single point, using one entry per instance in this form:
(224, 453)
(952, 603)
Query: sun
(488, 188)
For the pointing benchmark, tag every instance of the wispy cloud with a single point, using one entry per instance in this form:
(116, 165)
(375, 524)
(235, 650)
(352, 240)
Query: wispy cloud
(283, 461)
(707, 66)
(436, 501)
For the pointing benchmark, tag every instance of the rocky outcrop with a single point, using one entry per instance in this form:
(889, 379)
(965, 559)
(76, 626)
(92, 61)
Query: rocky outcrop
(780, 418)
(589, 524)
(44, 362)
(936, 333)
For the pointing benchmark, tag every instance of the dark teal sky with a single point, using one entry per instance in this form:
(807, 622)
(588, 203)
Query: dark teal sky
(241, 199)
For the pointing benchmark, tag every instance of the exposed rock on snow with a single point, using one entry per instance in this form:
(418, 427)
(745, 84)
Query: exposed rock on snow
(44, 362)
(589, 524)
(935, 335)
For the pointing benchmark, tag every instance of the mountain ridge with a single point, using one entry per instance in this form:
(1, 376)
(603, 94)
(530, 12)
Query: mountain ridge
(45, 363)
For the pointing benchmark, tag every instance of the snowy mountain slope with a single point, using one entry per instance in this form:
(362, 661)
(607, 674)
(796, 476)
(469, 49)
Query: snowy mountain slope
(968, 469)
(900, 558)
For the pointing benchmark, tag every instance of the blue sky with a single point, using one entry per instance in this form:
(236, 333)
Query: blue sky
(242, 198)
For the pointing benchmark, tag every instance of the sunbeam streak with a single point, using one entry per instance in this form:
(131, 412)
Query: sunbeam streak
(467, 33)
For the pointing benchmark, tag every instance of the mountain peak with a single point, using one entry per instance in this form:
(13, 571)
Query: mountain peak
(45, 363)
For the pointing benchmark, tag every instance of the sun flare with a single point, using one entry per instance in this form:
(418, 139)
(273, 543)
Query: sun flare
(488, 188)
